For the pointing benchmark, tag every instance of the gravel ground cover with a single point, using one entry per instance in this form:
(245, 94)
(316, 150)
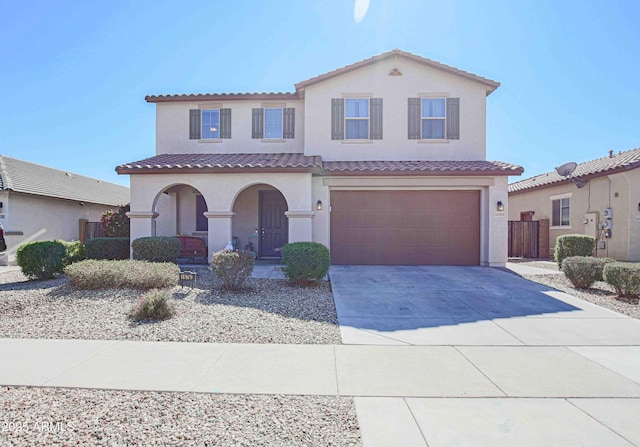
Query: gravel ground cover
(600, 293)
(50, 416)
(267, 311)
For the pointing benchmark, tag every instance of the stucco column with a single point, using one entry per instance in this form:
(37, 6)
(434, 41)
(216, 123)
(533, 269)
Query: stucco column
(142, 224)
(498, 224)
(300, 225)
(219, 229)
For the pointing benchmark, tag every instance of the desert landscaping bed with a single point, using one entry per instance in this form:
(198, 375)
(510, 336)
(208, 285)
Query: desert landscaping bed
(50, 416)
(600, 293)
(266, 311)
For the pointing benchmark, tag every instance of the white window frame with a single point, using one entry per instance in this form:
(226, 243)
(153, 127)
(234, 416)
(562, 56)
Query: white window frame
(441, 118)
(264, 123)
(358, 118)
(209, 109)
(561, 197)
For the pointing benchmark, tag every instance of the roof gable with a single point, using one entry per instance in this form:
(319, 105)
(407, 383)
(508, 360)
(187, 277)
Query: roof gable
(622, 161)
(489, 84)
(30, 178)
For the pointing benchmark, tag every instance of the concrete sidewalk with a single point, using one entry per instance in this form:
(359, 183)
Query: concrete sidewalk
(405, 395)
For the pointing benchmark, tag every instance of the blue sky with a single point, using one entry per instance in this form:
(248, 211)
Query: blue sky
(73, 74)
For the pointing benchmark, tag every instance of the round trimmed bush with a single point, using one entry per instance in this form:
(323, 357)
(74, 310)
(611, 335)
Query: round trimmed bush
(583, 271)
(624, 277)
(233, 267)
(41, 259)
(573, 245)
(156, 249)
(305, 262)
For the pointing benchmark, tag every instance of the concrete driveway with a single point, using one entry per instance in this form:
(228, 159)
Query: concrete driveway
(565, 372)
(442, 305)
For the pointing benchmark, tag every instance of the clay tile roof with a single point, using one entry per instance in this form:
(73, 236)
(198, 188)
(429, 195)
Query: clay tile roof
(490, 84)
(30, 178)
(222, 96)
(622, 161)
(426, 167)
(221, 162)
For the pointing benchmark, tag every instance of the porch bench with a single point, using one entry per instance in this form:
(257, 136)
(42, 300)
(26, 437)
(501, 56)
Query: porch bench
(192, 249)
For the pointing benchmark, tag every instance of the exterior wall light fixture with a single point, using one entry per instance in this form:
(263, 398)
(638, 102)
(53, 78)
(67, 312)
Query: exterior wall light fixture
(500, 205)
(319, 205)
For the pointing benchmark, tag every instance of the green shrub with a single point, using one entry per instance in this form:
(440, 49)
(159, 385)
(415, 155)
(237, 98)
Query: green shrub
(153, 305)
(583, 271)
(156, 249)
(107, 248)
(232, 267)
(73, 252)
(624, 277)
(605, 261)
(573, 245)
(104, 274)
(41, 259)
(116, 223)
(305, 262)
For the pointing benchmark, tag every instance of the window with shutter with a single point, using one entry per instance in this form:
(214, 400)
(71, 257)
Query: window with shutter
(210, 124)
(356, 119)
(433, 118)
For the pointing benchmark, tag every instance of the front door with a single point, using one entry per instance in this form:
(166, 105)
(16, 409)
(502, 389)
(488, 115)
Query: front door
(274, 225)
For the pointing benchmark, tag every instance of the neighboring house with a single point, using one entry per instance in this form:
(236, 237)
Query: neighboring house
(41, 203)
(383, 161)
(602, 199)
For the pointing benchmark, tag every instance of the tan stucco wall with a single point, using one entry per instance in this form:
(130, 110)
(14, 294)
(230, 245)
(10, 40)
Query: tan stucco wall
(416, 80)
(172, 129)
(620, 192)
(42, 218)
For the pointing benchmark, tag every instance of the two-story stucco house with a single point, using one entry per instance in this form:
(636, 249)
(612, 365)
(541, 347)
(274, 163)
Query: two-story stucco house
(383, 161)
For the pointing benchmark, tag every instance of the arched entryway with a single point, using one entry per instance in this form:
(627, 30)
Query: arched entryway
(179, 210)
(260, 223)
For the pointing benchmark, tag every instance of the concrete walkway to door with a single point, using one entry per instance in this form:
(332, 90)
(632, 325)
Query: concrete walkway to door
(558, 360)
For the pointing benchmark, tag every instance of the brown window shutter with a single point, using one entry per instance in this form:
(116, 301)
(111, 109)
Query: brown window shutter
(453, 118)
(257, 123)
(337, 119)
(375, 113)
(289, 122)
(194, 124)
(414, 119)
(225, 123)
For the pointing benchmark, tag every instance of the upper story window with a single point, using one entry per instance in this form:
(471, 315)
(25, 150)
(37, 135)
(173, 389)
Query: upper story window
(210, 124)
(357, 119)
(434, 119)
(273, 123)
(560, 212)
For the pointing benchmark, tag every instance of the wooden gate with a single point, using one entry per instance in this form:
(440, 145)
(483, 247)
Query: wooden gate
(523, 239)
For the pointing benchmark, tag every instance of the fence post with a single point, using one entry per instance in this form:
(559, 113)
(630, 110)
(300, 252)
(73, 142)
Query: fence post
(82, 230)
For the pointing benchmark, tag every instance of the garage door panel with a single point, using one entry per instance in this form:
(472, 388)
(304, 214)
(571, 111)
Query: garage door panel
(405, 227)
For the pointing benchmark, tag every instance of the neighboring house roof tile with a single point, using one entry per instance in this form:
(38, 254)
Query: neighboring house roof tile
(30, 178)
(221, 97)
(428, 167)
(222, 162)
(622, 161)
(288, 161)
(491, 85)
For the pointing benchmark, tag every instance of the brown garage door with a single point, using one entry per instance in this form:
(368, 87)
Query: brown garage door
(405, 227)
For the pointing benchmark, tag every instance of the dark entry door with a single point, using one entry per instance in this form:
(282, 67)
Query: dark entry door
(274, 224)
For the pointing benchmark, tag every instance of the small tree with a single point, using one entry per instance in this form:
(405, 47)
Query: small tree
(115, 223)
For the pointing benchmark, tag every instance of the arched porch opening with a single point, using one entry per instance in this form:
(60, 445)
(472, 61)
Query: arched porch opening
(260, 223)
(179, 210)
